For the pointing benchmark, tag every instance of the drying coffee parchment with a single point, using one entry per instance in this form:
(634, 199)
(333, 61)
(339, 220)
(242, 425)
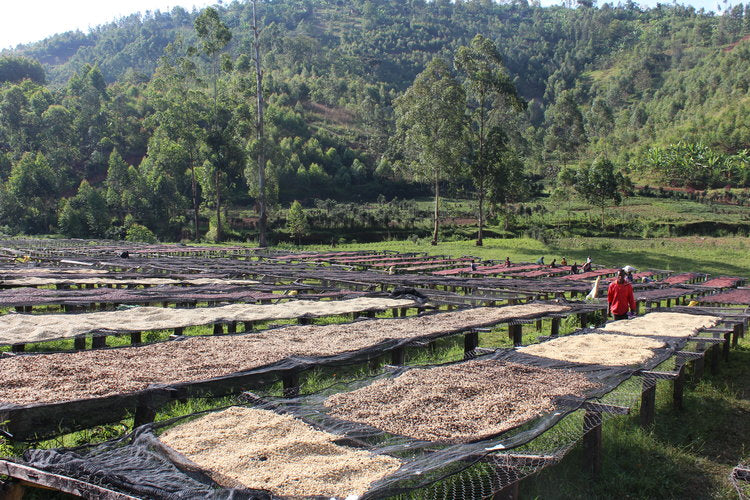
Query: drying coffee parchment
(264, 450)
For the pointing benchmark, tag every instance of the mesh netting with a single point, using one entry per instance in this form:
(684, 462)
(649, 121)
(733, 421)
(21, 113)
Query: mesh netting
(140, 464)
(98, 386)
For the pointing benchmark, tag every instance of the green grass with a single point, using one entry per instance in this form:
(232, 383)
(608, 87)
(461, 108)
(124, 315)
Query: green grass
(718, 256)
(685, 454)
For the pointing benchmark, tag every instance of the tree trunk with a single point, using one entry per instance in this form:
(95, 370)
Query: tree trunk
(195, 202)
(480, 242)
(262, 216)
(436, 216)
(219, 232)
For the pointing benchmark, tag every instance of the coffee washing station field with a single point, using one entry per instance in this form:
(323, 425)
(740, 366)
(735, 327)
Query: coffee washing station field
(171, 371)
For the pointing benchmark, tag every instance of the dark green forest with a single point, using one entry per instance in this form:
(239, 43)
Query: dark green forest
(141, 126)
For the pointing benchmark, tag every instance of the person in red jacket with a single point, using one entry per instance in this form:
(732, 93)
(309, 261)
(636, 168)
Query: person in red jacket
(620, 297)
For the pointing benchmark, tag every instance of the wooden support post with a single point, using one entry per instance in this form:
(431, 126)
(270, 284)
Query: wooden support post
(539, 325)
(592, 442)
(736, 333)
(304, 320)
(135, 338)
(145, 412)
(232, 327)
(678, 389)
(699, 364)
(584, 319)
(218, 329)
(727, 344)
(471, 342)
(555, 330)
(178, 330)
(98, 341)
(714, 352)
(79, 343)
(648, 402)
(638, 307)
(404, 311)
(394, 312)
(249, 325)
(18, 347)
(515, 332)
(290, 381)
(398, 356)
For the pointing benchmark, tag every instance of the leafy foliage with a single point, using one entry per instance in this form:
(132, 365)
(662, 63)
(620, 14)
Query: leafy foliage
(174, 97)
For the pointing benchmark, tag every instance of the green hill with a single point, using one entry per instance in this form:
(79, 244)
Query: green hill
(643, 86)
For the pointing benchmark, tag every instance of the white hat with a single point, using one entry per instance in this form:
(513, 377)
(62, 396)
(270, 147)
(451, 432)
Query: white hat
(629, 269)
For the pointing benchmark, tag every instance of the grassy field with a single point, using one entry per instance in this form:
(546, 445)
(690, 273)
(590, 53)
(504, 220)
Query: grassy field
(717, 256)
(685, 454)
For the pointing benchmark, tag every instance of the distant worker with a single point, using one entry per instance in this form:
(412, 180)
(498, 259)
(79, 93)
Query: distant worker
(554, 264)
(564, 262)
(473, 266)
(574, 268)
(587, 265)
(620, 297)
(540, 260)
(507, 261)
(629, 270)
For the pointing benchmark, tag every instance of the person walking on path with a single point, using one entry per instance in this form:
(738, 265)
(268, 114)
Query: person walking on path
(620, 297)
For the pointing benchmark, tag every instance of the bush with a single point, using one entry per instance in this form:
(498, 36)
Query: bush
(139, 233)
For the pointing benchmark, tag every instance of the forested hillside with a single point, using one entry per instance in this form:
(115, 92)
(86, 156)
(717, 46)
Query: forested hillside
(140, 124)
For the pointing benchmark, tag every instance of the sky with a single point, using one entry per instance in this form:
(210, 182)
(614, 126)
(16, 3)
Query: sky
(25, 21)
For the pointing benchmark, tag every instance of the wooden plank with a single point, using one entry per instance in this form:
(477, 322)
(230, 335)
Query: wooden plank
(689, 355)
(591, 406)
(515, 460)
(658, 375)
(707, 340)
(60, 483)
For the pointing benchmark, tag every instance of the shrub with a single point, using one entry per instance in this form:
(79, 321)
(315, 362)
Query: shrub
(137, 232)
